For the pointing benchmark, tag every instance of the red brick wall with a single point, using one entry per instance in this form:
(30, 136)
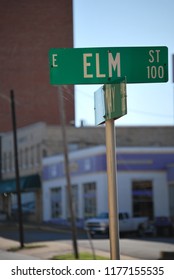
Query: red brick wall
(28, 29)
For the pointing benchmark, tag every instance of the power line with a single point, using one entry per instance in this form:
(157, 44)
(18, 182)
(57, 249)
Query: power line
(149, 113)
(71, 94)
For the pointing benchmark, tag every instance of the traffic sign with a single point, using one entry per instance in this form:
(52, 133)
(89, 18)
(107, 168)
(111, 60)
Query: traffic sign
(104, 65)
(110, 102)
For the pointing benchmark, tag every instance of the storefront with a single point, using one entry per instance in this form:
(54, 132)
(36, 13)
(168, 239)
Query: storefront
(145, 183)
(30, 191)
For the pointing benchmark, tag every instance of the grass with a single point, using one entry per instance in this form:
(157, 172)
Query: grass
(82, 256)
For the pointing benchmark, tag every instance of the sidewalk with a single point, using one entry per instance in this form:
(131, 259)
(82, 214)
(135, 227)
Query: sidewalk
(46, 250)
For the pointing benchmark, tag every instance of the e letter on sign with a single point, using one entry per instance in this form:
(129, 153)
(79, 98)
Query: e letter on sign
(105, 65)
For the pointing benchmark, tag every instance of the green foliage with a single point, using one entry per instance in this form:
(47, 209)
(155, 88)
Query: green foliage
(82, 256)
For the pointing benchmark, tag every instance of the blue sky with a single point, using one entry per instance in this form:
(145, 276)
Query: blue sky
(112, 23)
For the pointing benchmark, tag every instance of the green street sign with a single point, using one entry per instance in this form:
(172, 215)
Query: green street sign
(104, 65)
(110, 101)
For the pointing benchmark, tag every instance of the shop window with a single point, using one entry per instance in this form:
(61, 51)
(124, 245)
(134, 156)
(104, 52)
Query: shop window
(89, 199)
(142, 198)
(28, 203)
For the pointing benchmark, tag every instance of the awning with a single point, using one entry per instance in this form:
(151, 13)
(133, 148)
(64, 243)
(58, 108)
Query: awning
(27, 183)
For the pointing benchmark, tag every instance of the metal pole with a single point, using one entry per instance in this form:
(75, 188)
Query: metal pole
(173, 82)
(0, 158)
(17, 169)
(67, 172)
(112, 190)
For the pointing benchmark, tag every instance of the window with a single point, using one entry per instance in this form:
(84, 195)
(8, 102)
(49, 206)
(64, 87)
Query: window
(4, 163)
(56, 202)
(21, 158)
(142, 196)
(10, 161)
(38, 154)
(44, 153)
(32, 156)
(89, 199)
(28, 203)
(26, 157)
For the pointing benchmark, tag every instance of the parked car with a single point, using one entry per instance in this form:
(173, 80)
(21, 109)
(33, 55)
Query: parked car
(127, 224)
(164, 226)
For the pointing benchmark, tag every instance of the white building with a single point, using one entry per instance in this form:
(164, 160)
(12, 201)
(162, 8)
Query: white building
(145, 181)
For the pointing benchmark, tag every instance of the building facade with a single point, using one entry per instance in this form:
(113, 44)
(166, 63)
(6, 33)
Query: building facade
(145, 182)
(41, 140)
(28, 30)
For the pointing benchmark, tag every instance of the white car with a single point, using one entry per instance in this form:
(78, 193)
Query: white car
(100, 224)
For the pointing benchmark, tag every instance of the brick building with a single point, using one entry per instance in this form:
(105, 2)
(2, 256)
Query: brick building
(28, 29)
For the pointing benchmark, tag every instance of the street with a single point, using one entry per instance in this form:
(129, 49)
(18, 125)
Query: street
(140, 249)
(145, 248)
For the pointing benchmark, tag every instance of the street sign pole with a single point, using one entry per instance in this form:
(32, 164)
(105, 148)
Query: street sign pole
(110, 103)
(112, 190)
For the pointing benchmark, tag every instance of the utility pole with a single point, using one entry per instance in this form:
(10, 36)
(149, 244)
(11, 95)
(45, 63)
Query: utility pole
(17, 168)
(67, 171)
(0, 158)
(173, 83)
